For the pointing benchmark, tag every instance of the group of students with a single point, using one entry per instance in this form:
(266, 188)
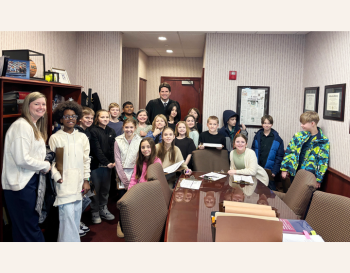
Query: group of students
(127, 143)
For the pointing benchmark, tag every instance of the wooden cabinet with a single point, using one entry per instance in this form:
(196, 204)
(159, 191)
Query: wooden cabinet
(49, 90)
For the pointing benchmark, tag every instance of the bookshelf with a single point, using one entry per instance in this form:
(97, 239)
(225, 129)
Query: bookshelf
(49, 90)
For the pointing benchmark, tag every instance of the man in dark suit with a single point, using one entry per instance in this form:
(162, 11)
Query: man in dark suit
(158, 106)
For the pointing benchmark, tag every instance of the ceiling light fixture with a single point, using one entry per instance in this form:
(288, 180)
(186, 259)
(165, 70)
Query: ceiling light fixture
(169, 51)
(162, 38)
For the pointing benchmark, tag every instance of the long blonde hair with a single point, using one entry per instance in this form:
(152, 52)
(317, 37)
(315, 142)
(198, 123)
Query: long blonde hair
(40, 130)
(154, 122)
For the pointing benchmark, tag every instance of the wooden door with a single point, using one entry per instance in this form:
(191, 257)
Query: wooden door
(188, 95)
(142, 93)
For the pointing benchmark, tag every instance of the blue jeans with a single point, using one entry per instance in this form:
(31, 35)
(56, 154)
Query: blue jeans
(69, 215)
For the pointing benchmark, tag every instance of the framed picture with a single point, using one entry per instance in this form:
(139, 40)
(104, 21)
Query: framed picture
(63, 75)
(252, 104)
(18, 69)
(311, 99)
(334, 102)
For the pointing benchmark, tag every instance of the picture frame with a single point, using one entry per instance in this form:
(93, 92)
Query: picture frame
(311, 99)
(252, 104)
(18, 69)
(63, 75)
(334, 102)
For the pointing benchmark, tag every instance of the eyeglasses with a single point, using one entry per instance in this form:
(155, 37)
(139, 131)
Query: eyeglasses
(70, 117)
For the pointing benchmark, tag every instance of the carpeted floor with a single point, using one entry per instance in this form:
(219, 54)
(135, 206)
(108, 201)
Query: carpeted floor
(104, 232)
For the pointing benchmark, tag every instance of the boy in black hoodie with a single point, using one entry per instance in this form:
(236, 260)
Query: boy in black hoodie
(128, 111)
(231, 128)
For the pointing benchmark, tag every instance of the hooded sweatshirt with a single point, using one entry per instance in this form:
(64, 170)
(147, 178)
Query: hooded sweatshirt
(76, 165)
(225, 131)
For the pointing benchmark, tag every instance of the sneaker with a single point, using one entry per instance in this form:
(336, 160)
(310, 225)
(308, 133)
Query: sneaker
(95, 217)
(120, 233)
(105, 214)
(84, 227)
(82, 233)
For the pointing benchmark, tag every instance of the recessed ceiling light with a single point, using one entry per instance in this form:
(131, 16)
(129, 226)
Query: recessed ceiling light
(169, 51)
(162, 38)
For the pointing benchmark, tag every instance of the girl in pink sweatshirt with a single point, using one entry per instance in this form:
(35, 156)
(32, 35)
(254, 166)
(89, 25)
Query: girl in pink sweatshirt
(146, 156)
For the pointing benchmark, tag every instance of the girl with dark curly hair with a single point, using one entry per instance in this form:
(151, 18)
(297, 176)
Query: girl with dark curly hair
(72, 180)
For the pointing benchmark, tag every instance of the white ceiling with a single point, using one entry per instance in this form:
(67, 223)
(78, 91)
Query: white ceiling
(183, 43)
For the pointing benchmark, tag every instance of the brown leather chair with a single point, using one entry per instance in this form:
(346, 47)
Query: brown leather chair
(299, 194)
(329, 216)
(155, 172)
(210, 160)
(143, 212)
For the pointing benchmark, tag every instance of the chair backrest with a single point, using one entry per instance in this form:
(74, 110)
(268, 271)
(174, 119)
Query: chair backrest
(155, 172)
(143, 213)
(210, 160)
(299, 193)
(329, 216)
(269, 173)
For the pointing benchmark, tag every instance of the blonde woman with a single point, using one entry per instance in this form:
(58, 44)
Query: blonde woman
(158, 125)
(24, 154)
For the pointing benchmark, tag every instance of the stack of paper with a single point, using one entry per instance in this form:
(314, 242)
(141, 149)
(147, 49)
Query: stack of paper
(214, 176)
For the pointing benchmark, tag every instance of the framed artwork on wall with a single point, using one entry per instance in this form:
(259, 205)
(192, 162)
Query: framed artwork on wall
(334, 102)
(252, 104)
(311, 99)
(63, 75)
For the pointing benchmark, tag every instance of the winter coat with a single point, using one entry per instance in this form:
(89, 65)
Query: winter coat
(276, 153)
(316, 158)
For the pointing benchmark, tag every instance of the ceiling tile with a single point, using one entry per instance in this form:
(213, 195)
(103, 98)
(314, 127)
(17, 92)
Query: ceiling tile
(192, 52)
(150, 51)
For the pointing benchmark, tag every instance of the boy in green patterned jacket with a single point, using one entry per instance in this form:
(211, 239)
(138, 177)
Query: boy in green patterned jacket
(308, 150)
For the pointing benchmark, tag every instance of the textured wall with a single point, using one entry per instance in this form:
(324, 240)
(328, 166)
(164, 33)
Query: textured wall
(260, 60)
(60, 48)
(327, 62)
(130, 80)
(170, 66)
(99, 60)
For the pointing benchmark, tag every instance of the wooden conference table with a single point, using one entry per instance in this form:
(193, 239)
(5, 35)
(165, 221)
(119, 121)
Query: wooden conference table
(189, 210)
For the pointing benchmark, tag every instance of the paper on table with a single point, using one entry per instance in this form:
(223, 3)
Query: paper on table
(287, 237)
(173, 168)
(213, 145)
(238, 178)
(214, 176)
(190, 184)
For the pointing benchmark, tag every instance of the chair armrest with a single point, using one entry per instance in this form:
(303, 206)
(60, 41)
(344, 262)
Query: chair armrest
(279, 194)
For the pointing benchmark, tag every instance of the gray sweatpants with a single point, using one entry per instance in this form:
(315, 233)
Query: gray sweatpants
(101, 178)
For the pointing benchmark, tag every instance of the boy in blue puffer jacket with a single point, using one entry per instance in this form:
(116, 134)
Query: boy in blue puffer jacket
(268, 147)
(231, 128)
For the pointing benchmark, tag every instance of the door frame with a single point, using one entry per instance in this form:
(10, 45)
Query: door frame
(142, 79)
(168, 78)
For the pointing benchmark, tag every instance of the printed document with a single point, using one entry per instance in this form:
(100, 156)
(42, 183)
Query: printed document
(244, 178)
(174, 167)
(213, 145)
(190, 184)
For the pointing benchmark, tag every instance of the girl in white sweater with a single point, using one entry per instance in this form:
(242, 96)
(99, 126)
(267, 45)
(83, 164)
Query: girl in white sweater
(244, 161)
(73, 180)
(24, 154)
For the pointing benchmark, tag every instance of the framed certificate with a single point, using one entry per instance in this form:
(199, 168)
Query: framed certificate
(252, 104)
(334, 102)
(311, 99)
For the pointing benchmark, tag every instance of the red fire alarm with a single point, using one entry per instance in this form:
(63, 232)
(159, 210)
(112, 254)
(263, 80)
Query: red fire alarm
(233, 75)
